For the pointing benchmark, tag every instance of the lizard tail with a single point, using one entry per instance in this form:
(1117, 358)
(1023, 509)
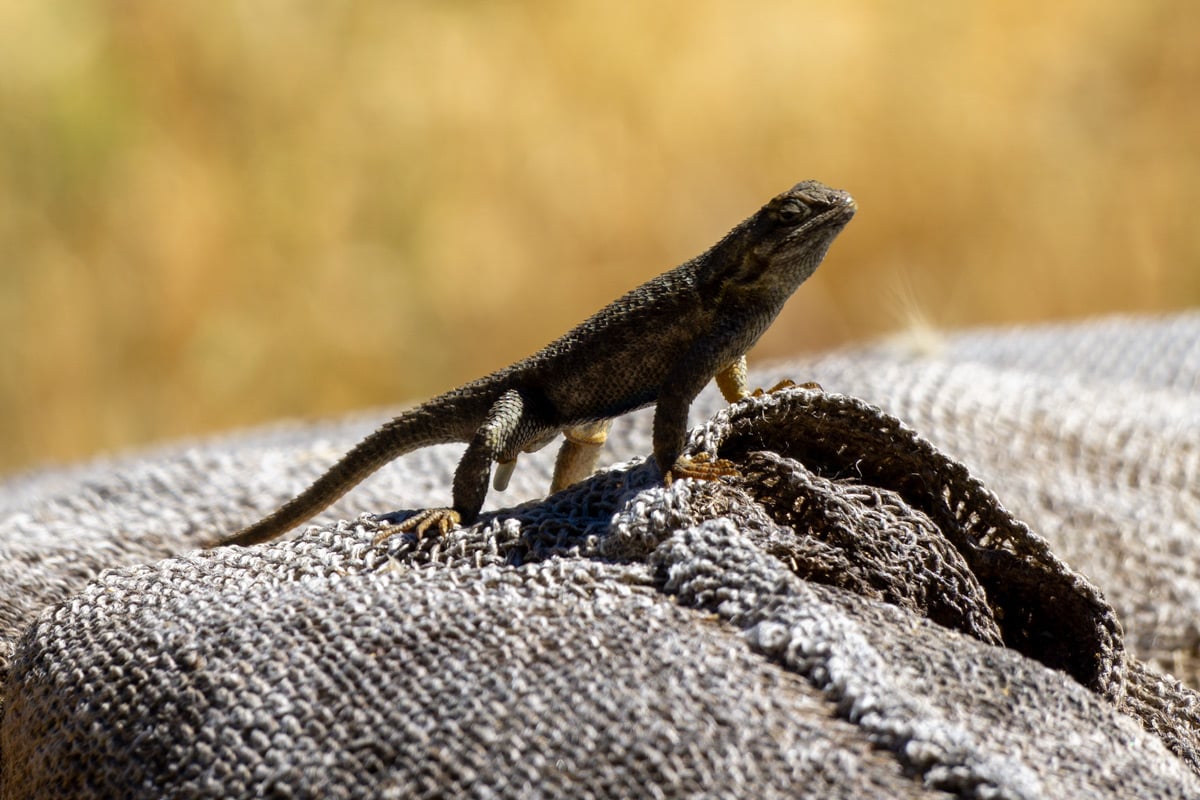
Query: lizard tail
(420, 427)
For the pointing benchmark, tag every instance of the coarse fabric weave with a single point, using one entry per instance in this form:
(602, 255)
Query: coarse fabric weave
(965, 569)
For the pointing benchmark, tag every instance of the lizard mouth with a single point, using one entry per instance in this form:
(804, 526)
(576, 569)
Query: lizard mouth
(837, 212)
(840, 209)
(798, 253)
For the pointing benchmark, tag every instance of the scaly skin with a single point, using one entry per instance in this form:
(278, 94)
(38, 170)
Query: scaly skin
(660, 343)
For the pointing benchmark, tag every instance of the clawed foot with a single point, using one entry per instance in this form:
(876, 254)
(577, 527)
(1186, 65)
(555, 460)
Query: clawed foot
(701, 466)
(788, 383)
(444, 519)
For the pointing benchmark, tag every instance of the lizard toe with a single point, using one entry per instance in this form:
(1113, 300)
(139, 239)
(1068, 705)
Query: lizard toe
(701, 466)
(445, 519)
(787, 383)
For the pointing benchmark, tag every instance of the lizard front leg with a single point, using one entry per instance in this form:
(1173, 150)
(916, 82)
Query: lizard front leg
(501, 434)
(670, 414)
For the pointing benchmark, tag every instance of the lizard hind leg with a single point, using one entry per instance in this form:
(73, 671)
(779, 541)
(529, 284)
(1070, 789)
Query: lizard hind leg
(499, 438)
(444, 519)
(506, 467)
(579, 454)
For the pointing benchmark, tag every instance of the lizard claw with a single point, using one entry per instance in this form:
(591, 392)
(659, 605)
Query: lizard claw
(701, 466)
(788, 383)
(443, 518)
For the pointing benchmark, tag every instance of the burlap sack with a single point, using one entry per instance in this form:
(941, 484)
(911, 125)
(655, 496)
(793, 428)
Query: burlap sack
(890, 601)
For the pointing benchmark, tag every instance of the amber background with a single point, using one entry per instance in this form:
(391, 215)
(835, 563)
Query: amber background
(218, 213)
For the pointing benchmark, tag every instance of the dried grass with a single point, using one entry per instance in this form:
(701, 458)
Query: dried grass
(218, 213)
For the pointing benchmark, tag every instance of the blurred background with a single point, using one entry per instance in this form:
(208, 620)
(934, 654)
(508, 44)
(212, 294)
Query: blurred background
(218, 213)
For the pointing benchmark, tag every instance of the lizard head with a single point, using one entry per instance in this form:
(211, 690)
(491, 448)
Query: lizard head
(793, 232)
(774, 251)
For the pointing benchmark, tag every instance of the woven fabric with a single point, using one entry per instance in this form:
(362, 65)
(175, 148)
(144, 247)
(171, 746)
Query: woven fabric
(961, 570)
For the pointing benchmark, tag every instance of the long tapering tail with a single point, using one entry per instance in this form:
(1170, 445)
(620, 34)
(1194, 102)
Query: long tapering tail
(431, 423)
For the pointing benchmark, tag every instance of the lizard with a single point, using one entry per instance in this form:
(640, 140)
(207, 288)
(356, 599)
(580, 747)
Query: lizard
(660, 343)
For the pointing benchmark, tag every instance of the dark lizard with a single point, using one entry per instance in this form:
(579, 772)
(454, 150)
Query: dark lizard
(660, 343)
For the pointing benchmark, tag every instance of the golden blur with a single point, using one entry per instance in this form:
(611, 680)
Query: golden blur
(218, 213)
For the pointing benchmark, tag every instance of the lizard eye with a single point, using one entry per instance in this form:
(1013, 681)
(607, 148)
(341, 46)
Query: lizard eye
(793, 213)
